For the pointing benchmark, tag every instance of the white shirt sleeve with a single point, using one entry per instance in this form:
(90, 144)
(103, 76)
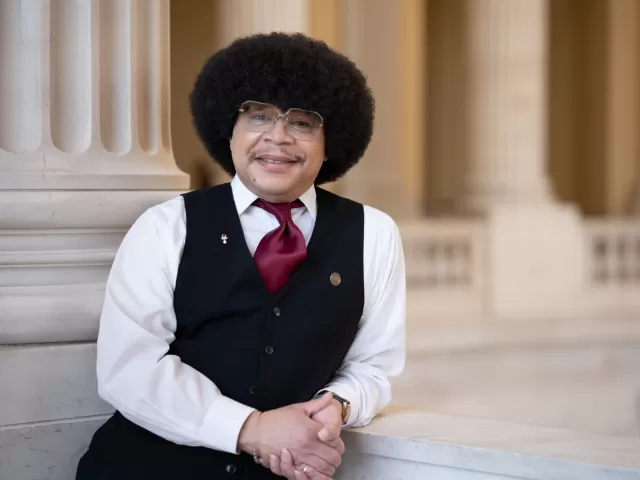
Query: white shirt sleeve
(379, 350)
(135, 374)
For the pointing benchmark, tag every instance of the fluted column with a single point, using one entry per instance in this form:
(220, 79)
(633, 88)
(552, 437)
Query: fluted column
(85, 139)
(507, 68)
(85, 148)
(84, 95)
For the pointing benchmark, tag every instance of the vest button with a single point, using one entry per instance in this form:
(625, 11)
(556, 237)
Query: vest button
(268, 349)
(230, 468)
(276, 311)
(253, 389)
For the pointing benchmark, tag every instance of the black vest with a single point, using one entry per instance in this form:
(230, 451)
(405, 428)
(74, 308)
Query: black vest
(261, 350)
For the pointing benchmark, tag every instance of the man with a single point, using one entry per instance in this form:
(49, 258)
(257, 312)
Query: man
(245, 325)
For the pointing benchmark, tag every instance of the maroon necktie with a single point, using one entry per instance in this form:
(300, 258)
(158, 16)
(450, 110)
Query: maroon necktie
(281, 250)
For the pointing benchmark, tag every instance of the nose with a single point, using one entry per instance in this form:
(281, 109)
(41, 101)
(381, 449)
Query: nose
(278, 133)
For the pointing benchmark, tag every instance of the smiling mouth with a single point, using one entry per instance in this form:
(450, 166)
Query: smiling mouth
(277, 159)
(275, 162)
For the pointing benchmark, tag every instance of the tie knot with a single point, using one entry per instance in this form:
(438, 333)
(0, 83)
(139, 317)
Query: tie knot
(282, 211)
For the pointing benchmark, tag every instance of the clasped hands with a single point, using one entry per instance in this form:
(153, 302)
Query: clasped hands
(298, 442)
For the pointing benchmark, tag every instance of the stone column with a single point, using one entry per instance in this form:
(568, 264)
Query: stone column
(85, 139)
(535, 255)
(623, 108)
(85, 148)
(507, 121)
(385, 39)
(246, 17)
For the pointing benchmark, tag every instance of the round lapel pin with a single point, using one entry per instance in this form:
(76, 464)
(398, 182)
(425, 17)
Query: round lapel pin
(335, 279)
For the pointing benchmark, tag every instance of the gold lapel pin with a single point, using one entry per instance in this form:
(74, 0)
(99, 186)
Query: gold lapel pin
(335, 279)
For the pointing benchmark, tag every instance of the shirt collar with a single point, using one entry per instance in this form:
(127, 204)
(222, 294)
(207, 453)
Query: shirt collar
(244, 198)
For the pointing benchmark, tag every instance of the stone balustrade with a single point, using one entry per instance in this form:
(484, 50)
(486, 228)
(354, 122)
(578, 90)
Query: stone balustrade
(458, 270)
(612, 265)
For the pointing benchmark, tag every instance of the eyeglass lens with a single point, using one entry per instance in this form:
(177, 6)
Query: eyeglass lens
(261, 117)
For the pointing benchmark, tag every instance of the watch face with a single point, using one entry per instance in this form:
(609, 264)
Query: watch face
(346, 410)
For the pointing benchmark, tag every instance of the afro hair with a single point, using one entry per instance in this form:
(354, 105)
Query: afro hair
(286, 70)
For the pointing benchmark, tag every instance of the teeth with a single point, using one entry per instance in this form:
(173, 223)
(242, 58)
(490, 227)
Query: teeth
(279, 162)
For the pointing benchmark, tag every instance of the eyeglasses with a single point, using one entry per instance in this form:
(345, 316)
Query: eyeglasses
(262, 117)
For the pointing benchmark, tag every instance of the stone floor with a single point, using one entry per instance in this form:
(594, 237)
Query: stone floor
(579, 382)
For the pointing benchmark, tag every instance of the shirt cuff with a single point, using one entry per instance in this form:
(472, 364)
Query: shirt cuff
(222, 424)
(348, 393)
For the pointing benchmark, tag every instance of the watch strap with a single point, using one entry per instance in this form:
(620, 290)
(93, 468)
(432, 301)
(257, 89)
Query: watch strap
(344, 402)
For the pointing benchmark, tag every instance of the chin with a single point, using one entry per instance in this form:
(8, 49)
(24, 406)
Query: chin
(274, 184)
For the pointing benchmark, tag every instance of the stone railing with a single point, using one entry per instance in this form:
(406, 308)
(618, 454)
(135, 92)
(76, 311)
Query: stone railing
(612, 264)
(445, 261)
(449, 269)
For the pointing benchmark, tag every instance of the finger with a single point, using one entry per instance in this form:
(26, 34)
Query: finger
(274, 464)
(264, 461)
(286, 465)
(317, 463)
(312, 473)
(300, 475)
(337, 444)
(329, 432)
(330, 455)
(314, 406)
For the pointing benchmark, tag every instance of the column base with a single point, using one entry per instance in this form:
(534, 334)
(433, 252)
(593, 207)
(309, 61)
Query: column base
(536, 260)
(91, 171)
(56, 250)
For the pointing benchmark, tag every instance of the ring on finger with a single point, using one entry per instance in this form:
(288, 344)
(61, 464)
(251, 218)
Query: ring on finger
(256, 456)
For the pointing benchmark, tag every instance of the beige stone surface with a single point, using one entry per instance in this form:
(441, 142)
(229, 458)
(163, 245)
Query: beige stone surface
(576, 374)
(456, 447)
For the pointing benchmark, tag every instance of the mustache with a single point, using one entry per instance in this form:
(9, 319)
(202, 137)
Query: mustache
(257, 153)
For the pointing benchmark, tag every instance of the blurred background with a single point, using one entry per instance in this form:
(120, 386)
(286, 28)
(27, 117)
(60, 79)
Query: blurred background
(506, 146)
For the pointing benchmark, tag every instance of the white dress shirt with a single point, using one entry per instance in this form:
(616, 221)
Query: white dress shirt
(138, 323)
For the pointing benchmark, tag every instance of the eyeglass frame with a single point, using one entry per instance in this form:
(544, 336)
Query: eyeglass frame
(282, 115)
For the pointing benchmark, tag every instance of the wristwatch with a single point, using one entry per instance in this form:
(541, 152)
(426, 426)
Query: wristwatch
(346, 405)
